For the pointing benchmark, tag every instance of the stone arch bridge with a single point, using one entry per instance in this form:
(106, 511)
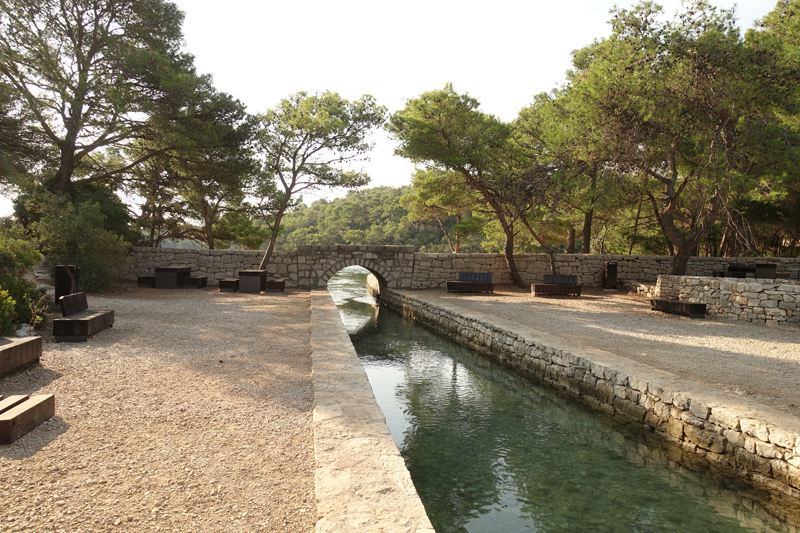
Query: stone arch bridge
(392, 265)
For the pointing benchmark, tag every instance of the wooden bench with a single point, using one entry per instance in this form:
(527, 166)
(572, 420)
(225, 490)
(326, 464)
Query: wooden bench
(276, 285)
(79, 322)
(229, 285)
(557, 285)
(20, 414)
(16, 352)
(472, 282)
(678, 307)
(146, 281)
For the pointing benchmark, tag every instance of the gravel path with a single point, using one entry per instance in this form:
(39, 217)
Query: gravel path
(192, 414)
(756, 361)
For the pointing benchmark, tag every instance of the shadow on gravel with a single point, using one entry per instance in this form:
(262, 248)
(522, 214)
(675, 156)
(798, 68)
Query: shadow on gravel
(28, 445)
(27, 380)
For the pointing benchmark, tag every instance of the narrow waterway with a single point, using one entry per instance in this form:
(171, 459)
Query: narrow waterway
(489, 450)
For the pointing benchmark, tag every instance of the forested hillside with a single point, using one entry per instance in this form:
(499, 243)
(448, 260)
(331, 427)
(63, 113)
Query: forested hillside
(369, 216)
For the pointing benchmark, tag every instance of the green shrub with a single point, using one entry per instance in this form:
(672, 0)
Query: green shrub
(8, 314)
(17, 255)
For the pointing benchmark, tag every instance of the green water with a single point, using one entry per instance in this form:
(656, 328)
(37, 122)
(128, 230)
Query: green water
(489, 450)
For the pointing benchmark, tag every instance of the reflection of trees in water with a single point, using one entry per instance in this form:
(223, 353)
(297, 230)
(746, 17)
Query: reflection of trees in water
(480, 432)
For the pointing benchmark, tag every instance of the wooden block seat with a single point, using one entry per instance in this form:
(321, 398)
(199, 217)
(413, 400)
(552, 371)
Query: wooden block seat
(20, 414)
(79, 322)
(472, 282)
(276, 285)
(678, 307)
(557, 285)
(196, 281)
(229, 285)
(146, 281)
(17, 352)
(253, 281)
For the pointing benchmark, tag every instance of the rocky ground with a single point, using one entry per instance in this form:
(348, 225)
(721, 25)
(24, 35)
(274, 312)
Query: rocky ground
(193, 413)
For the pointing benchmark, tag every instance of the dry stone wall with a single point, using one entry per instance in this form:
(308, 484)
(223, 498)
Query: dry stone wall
(400, 267)
(763, 301)
(764, 446)
(434, 270)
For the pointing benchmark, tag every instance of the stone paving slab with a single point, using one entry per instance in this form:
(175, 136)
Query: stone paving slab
(361, 480)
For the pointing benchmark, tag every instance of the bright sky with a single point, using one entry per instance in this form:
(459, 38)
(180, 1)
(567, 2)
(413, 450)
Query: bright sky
(501, 52)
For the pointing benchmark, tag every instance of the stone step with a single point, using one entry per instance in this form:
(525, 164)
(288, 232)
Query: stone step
(24, 417)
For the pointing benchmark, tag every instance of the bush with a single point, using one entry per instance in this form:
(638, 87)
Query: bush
(8, 315)
(74, 234)
(16, 256)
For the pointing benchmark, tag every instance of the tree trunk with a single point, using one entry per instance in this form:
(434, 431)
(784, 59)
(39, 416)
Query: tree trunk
(571, 241)
(458, 237)
(635, 226)
(680, 260)
(586, 245)
(276, 225)
(508, 252)
(543, 245)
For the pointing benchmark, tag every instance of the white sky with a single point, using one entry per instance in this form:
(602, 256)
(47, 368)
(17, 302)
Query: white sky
(501, 52)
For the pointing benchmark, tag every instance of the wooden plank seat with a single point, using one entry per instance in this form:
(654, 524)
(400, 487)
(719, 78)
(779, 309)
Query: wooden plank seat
(79, 322)
(20, 414)
(472, 282)
(17, 352)
(678, 307)
(146, 281)
(229, 285)
(276, 285)
(557, 285)
(196, 281)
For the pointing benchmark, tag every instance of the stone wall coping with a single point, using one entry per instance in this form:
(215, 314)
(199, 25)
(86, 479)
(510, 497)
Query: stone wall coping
(361, 481)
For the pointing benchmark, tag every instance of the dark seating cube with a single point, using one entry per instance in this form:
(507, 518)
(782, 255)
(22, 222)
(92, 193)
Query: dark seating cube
(146, 281)
(276, 285)
(229, 285)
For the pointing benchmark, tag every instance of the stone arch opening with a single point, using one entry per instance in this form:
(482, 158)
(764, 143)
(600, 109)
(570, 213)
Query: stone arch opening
(377, 270)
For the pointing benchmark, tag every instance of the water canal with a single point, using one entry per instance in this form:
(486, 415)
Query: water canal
(491, 451)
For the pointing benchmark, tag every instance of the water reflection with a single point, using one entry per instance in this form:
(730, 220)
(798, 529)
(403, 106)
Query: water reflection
(491, 451)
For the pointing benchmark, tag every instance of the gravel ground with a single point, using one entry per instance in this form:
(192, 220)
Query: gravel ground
(193, 413)
(756, 361)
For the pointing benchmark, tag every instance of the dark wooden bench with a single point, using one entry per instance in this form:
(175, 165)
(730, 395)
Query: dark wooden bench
(16, 352)
(229, 285)
(678, 307)
(276, 285)
(472, 282)
(79, 322)
(146, 281)
(557, 285)
(20, 414)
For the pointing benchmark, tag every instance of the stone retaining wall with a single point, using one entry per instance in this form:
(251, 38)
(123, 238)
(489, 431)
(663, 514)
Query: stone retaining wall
(750, 439)
(434, 270)
(400, 267)
(773, 302)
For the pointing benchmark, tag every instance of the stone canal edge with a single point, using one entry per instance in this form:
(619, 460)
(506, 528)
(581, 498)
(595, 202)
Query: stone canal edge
(742, 437)
(361, 481)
